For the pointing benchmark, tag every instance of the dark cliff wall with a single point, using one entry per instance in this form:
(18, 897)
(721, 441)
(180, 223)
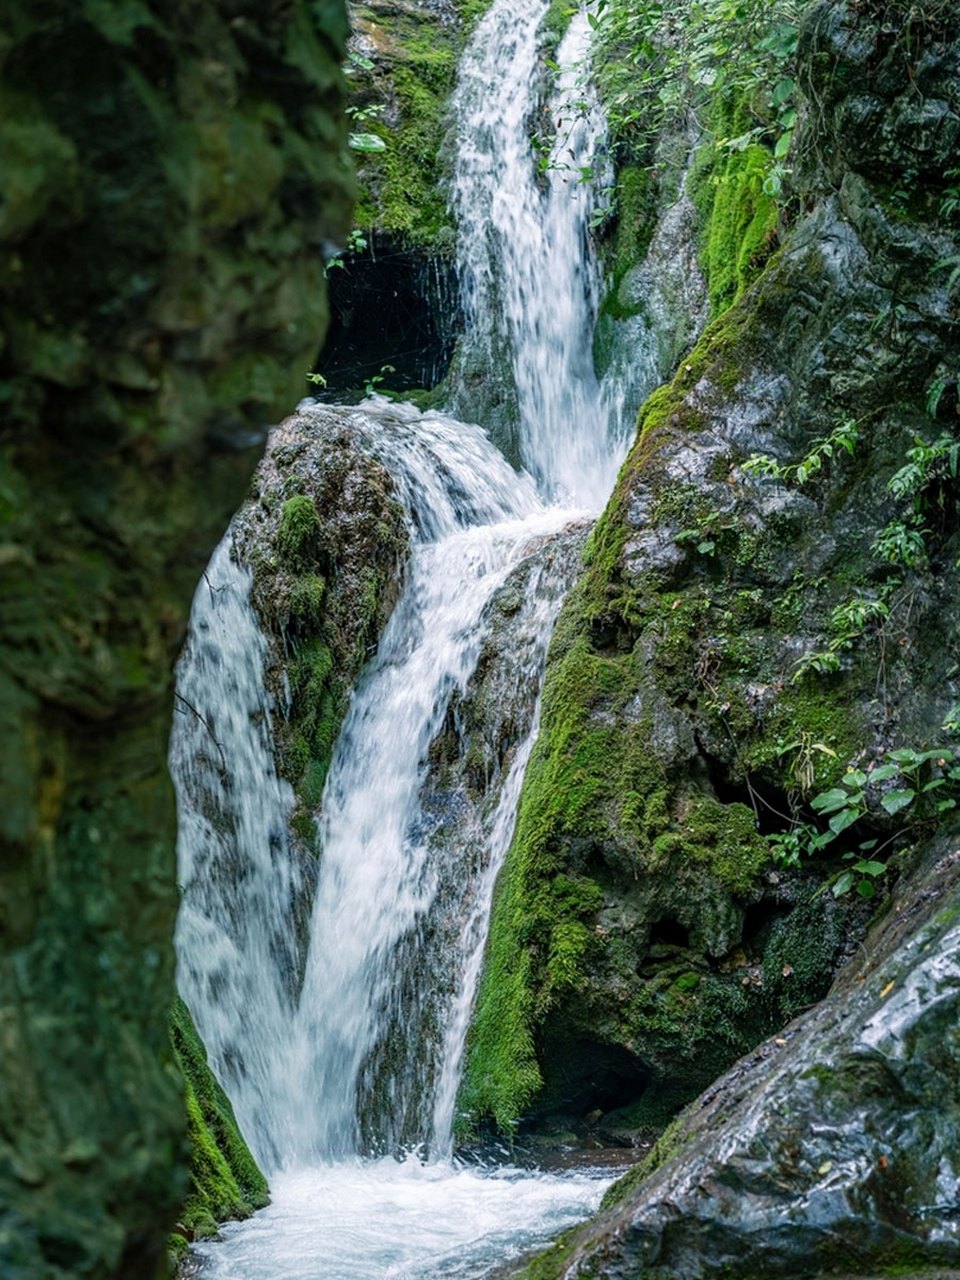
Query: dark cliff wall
(170, 173)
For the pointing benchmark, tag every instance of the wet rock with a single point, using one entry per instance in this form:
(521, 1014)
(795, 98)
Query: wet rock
(831, 1148)
(327, 540)
(684, 712)
(169, 175)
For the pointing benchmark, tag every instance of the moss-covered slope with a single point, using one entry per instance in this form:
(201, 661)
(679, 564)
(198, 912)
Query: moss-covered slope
(225, 1181)
(687, 713)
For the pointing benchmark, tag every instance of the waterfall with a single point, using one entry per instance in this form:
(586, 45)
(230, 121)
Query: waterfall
(531, 288)
(362, 1057)
(473, 518)
(236, 956)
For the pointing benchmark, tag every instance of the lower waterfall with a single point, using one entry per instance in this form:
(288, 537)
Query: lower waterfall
(341, 1051)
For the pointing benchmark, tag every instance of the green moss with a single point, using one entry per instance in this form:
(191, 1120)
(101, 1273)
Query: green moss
(554, 26)
(669, 1144)
(224, 1179)
(306, 601)
(297, 532)
(402, 188)
(738, 219)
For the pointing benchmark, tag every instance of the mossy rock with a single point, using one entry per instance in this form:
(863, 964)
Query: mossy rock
(326, 540)
(225, 1181)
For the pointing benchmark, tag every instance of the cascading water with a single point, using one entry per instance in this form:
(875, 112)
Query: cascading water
(529, 283)
(365, 1057)
(236, 956)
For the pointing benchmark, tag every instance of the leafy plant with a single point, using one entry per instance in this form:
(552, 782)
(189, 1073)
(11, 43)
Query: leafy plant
(901, 542)
(371, 384)
(844, 438)
(928, 781)
(848, 623)
(650, 53)
(705, 534)
(357, 242)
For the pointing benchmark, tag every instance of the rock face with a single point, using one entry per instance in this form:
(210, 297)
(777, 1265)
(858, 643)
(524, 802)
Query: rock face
(741, 635)
(832, 1148)
(326, 539)
(169, 177)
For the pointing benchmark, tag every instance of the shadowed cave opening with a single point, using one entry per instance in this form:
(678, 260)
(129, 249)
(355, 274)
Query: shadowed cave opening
(394, 318)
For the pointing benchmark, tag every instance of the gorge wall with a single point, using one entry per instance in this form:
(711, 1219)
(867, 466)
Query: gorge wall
(171, 176)
(765, 614)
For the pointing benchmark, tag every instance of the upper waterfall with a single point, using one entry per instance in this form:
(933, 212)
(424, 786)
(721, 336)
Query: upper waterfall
(531, 286)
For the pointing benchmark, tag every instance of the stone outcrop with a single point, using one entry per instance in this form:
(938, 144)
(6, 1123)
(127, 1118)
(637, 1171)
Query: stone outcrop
(832, 1148)
(742, 635)
(171, 174)
(326, 538)
(751, 637)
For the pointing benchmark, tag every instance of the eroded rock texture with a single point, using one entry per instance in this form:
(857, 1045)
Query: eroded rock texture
(688, 710)
(170, 174)
(738, 640)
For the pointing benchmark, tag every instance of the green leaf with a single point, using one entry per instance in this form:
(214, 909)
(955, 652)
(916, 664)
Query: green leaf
(854, 778)
(883, 772)
(870, 868)
(904, 755)
(783, 144)
(894, 801)
(843, 884)
(840, 821)
(366, 142)
(783, 90)
(866, 888)
(828, 801)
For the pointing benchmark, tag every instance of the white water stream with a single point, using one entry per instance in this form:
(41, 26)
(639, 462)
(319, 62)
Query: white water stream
(304, 1069)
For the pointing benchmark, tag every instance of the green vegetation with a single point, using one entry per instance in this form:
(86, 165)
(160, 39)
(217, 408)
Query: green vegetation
(861, 798)
(739, 216)
(731, 62)
(297, 534)
(399, 98)
(224, 1179)
(603, 797)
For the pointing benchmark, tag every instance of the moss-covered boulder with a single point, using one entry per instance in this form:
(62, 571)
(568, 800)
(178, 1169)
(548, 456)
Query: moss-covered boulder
(829, 1150)
(741, 634)
(326, 538)
(169, 175)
